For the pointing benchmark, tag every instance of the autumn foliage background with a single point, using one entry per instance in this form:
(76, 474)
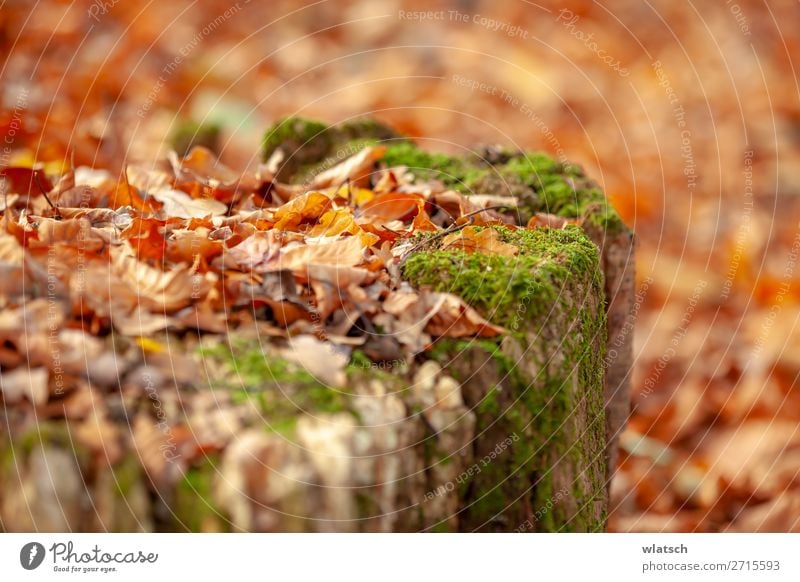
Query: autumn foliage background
(686, 113)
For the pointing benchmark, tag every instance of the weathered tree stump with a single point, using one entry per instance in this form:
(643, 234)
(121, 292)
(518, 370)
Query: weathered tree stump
(513, 433)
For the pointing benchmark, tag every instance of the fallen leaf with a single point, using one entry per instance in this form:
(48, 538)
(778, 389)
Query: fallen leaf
(256, 253)
(25, 181)
(354, 168)
(157, 290)
(340, 221)
(203, 165)
(452, 317)
(344, 252)
(390, 206)
(476, 239)
(309, 206)
(179, 204)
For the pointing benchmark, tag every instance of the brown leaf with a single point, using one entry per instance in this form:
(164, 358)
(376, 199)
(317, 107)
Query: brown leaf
(390, 206)
(309, 206)
(475, 239)
(354, 168)
(344, 252)
(157, 290)
(452, 317)
(201, 164)
(177, 203)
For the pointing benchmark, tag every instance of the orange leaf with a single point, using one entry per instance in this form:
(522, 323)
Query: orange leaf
(309, 206)
(422, 222)
(390, 206)
(126, 195)
(147, 238)
(336, 222)
(472, 239)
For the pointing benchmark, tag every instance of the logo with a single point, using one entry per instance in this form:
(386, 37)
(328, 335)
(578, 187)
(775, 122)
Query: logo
(31, 555)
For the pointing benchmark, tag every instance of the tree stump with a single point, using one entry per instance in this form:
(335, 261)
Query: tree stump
(515, 433)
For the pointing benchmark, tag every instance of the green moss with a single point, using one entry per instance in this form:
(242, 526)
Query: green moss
(542, 290)
(127, 473)
(540, 183)
(307, 143)
(194, 506)
(188, 134)
(294, 134)
(359, 361)
(452, 171)
(509, 290)
(535, 409)
(281, 388)
(51, 433)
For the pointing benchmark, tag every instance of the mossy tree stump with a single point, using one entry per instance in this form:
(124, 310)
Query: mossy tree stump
(507, 434)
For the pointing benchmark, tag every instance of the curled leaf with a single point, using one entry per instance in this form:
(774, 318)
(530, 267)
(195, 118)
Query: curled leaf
(483, 240)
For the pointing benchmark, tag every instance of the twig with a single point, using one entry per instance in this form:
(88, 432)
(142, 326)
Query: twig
(427, 241)
(44, 193)
(397, 232)
(474, 212)
(443, 233)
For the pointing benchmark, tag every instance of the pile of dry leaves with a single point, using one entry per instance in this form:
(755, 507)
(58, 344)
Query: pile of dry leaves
(192, 246)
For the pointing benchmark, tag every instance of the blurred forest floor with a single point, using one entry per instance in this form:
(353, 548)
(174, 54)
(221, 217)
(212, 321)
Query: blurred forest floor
(687, 114)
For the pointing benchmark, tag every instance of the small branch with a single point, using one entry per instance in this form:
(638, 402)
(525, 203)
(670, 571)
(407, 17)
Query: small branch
(449, 230)
(44, 193)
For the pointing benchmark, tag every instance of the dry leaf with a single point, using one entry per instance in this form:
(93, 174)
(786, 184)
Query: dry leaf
(344, 252)
(179, 204)
(353, 168)
(476, 239)
(309, 206)
(340, 221)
